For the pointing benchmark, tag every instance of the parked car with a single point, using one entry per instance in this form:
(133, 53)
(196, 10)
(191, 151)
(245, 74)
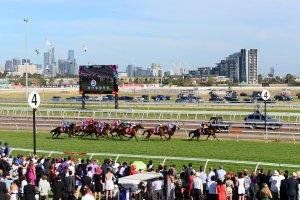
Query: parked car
(280, 98)
(56, 98)
(248, 100)
(257, 119)
(231, 99)
(243, 94)
(216, 99)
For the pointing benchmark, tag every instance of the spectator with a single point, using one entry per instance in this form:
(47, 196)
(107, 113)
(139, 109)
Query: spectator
(265, 193)
(292, 187)
(14, 189)
(221, 173)
(241, 183)
(58, 188)
(86, 180)
(1, 150)
(275, 181)
(29, 191)
(221, 190)
(87, 194)
(283, 185)
(69, 184)
(190, 183)
(212, 194)
(23, 182)
(6, 150)
(247, 183)
(44, 187)
(31, 174)
(229, 187)
(210, 174)
(203, 177)
(170, 185)
(261, 177)
(150, 165)
(109, 184)
(98, 183)
(158, 186)
(197, 187)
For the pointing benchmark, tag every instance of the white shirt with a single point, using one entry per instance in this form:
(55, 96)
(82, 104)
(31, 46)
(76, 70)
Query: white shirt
(88, 197)
(44, 187)
(203, 176)
(210, 174)
(275, 183)
(157, 185)
(197, 184)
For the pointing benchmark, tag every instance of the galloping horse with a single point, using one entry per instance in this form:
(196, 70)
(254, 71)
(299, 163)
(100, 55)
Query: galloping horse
(89, 130)
(104, 132)
(209, 131)
(125, 131)
(77, 130)
(59, 130)
(161, 132)
(171, 131)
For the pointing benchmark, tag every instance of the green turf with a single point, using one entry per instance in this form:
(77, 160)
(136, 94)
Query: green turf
(257, 151)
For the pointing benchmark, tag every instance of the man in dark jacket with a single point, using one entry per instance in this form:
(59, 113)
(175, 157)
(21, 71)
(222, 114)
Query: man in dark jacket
(58, 189)
(70, 184)
(29, 191)
(283, 185)
(86, 180)
(47, 168)
(292, 187)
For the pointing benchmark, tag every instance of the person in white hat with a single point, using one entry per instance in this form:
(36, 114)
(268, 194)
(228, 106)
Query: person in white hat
(275, 181)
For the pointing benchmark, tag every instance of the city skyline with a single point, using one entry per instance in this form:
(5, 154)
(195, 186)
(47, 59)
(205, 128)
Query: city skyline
(141, 33)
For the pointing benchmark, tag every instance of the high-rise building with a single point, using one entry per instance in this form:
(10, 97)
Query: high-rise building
(239, 67)
(130, 70)
(24, 60)
(157, 70)
(50, 68)
(15, 63)
(252, 66)
(71, 68)
(8, 65)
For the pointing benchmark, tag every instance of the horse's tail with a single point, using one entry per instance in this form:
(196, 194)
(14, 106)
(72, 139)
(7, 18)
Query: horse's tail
(145, 132)
(191, 132)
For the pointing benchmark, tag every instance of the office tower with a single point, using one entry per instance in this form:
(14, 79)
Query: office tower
(50, 68)
(252, 66)
(15, 63)
(130, 70)
(8, 65)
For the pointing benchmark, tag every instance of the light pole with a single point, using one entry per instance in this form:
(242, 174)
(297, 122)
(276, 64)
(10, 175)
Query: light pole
(26, 61)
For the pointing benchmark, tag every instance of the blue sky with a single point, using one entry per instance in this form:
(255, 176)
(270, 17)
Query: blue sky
(169, 32)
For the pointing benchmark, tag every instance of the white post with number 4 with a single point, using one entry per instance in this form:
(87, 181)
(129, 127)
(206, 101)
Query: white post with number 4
(265, 95)
(34, 101)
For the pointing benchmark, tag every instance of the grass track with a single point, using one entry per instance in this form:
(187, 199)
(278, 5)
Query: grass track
(272, 152)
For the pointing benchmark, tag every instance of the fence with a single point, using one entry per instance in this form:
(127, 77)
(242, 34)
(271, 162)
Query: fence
(163, 158)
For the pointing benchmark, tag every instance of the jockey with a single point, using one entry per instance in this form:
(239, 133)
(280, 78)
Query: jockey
(91, 122)
(170, 125)
(157, 127)
(116, 123)
(101, 126)
(201, 128)
(85, 123)
(130, 125)
(66, 124)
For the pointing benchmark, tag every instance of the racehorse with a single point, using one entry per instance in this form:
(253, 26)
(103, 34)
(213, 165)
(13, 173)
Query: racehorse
(104, 132)
(89, 130)
(126, 131)
(209, 131)
(170, 131)
(59, 130)
(77, 130)
(161, 132)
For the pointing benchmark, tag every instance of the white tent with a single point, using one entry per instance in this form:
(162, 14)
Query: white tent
(134, 180)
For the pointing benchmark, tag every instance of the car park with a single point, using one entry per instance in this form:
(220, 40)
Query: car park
(243, 94)
(257, 120)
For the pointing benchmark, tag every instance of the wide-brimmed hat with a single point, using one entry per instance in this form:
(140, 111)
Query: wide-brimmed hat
(276, 173)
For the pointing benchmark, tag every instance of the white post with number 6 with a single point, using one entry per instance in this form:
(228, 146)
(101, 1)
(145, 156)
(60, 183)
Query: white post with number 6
(265, 95)
(34, 101)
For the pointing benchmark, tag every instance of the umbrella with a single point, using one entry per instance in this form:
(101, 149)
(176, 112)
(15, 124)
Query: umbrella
(139, 165)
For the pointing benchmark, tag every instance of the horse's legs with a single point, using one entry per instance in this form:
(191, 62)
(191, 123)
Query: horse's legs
(58, 134)
(214, 135)
(208, 136)
(130, 137)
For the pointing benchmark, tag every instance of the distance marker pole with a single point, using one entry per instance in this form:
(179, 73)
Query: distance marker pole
(34, 132)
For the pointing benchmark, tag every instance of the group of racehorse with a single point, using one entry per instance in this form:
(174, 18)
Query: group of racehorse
(121, 130)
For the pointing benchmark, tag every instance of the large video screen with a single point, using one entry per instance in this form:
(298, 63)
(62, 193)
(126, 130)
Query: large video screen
(98, 79)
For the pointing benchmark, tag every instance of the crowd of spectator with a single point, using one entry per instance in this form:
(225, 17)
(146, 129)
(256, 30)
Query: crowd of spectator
(32, 177)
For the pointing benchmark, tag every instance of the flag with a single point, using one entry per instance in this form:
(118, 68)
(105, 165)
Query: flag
(48, 42)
